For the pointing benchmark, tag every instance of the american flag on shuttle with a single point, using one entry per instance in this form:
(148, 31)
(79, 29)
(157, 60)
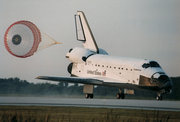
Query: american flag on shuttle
(104, 73)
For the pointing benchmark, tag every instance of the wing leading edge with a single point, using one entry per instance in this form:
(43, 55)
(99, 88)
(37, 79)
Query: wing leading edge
(90, 81)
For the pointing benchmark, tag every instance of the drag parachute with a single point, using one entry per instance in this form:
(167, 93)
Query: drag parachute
(23, 38)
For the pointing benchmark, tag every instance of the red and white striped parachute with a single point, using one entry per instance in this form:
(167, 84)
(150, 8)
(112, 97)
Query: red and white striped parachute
(22, 39)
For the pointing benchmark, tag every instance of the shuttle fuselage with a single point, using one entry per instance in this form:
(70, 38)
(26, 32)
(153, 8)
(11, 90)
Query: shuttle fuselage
(93, 66)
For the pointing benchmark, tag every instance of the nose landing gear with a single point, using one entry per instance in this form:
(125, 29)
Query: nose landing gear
(159, 97)
(160, 93)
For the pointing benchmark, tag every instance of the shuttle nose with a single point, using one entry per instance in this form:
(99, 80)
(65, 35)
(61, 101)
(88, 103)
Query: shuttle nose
(163, 81)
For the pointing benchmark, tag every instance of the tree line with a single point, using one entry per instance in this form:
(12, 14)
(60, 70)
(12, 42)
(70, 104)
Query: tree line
(15, 86)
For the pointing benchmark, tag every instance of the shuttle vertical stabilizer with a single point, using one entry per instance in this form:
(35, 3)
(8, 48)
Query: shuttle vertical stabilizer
(84, 33)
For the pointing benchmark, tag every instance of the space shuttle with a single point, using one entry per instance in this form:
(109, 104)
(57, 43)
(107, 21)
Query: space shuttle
(91, 65)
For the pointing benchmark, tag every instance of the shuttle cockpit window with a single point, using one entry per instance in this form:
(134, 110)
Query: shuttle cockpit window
(150, 64)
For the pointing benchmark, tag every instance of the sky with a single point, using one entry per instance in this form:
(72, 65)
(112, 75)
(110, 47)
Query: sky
(147, 29)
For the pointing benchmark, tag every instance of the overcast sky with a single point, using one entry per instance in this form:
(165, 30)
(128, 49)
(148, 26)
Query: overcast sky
(148, 29)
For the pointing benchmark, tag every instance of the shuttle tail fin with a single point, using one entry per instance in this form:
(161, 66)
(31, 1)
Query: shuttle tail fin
(84, 33)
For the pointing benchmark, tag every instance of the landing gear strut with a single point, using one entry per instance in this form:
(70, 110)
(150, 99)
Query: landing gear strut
(120, 95)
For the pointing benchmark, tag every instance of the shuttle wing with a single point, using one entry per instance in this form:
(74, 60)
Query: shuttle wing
(90, 81)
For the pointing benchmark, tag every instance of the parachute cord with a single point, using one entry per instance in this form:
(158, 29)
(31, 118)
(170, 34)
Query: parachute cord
(55, 42)
(46, 46)
(48, 38)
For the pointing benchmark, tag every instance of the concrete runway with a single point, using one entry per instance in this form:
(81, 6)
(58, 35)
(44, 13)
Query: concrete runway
(99, 103)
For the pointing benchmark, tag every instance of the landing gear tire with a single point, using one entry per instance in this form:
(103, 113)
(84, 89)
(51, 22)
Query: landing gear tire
(120, 95)
(89, 96)
(86, 96)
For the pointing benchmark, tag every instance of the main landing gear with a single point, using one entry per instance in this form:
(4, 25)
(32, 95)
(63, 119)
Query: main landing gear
(89, 96)
(88, 91)
(120, 95)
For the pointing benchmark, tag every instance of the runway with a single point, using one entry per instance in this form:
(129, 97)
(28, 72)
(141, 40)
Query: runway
(98, 103)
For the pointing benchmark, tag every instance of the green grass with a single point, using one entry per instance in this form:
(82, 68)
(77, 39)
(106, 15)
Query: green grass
(83, 114)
